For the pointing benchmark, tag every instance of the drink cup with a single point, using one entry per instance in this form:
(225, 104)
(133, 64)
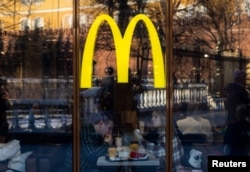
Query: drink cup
(112, 152)
(134, 146)
(141, 126)
(118, 142)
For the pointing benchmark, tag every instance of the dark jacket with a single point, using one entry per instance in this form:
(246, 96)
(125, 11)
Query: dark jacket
(236, 95)
(4, 105)
(237, 139)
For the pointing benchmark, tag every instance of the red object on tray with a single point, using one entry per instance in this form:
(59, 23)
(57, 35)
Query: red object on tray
(136, 155)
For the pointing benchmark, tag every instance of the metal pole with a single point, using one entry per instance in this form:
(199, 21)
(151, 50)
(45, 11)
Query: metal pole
(238, 10)
(76, 90)
(14, 16)
(169, 84)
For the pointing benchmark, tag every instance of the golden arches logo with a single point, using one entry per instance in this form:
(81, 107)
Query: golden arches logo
(122, 45)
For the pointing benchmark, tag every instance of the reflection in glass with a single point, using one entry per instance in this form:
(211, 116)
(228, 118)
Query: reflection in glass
(130, 102)
(36, 67)
(203, 66)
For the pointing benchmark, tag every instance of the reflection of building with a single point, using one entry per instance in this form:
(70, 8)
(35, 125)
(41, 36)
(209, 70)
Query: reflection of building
(26, 14)
(224, 56)
(54, 18)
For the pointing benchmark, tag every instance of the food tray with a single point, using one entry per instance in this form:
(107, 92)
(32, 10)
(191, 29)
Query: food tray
(119, 159)
(145, 157)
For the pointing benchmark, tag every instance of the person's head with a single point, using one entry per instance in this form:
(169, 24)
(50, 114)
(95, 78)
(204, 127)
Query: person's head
(103, 123)
(1, 82)
(158, 119)
(35, 107)
(240, 77)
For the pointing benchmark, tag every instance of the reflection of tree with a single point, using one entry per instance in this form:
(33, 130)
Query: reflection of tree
(15, 45)
(122, 11)
(46, 59)
(200, 27)
(206, 23)
(59, 54)
(12, 8)
(64, 55)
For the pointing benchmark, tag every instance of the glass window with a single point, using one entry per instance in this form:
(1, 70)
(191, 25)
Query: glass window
(68, 21)
(123, 123)
(135, 87)
(38, 23)
(206, 67)
(36, 86)
(25, 24)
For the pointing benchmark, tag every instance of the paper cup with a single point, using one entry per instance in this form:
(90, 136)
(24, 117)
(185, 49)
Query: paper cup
(118, 141)
(112, 152)
(134, 146)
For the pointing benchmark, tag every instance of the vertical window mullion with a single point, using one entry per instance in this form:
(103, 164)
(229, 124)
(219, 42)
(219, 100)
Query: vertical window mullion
(76, 91)
(169, 88)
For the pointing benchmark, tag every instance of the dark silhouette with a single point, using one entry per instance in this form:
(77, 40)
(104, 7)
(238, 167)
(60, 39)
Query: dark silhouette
(236, 95)
(4, 105)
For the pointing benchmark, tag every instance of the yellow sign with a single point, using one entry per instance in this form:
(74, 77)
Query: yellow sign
(123, 45)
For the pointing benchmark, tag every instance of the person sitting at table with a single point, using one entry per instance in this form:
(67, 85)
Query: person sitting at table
(154, 141)
(95, 140)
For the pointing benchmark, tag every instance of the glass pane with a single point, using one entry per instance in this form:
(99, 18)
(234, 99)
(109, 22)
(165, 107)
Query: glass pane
(36, 84)
(209, 46)
(123, 121)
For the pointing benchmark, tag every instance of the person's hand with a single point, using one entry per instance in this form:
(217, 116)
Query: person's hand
(137, 135)
(108, 138)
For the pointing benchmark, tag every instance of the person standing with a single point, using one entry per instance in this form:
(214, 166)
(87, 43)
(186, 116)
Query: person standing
(4, 105)
(237, 135)
(236, 95)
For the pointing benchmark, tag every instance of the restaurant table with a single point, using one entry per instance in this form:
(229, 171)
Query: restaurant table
(128, 165)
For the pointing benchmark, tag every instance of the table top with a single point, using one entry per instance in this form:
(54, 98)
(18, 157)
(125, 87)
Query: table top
(151, 161)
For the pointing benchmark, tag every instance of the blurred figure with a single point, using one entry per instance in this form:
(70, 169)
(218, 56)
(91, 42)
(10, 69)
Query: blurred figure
(236, 95)
(195, 129)
(237, 135)
(106, 93)
(95, 140)
(5, 104)
(195, 124)
(35, 109)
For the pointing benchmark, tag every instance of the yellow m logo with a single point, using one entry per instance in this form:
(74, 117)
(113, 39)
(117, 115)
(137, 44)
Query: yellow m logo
(123, 45)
